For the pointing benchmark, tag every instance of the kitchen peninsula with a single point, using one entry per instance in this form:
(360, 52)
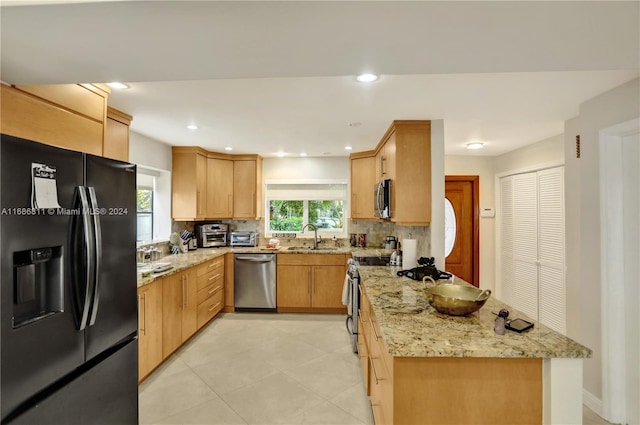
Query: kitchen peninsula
(423, 367)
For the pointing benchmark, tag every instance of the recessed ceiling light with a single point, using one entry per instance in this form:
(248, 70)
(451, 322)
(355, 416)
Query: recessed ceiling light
(192, 127)
(119, 86)
(228, 148)
(348, 148)
(280, 154)
(475, 145)
(367, 78)
(303, 154)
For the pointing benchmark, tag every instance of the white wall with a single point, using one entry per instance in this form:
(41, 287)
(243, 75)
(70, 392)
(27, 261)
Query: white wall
(154, 157)
(482, 166)
(546, 151)
(437, 192)
(618, 105)
(306, 168)
(572, 229)
(149, 152)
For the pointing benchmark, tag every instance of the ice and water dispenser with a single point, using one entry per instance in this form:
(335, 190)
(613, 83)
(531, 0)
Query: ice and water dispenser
(38, 285)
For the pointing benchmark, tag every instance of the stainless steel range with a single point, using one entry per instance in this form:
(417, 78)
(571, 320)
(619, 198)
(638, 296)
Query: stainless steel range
(353, 291)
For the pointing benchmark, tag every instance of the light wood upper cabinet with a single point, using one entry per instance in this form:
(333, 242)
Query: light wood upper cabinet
(411, 179)
(55, 122)
(247, 188)
(219, 188)
(362, 181)
(189, 184)
(226, 186)
(403, 155)
(116, 135)
(149, 328)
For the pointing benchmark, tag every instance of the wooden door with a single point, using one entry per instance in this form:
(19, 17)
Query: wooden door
(294, 286)
(463, 261)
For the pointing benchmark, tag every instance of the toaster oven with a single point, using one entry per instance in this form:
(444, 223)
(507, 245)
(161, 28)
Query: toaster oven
(212, 235)
(244, 239)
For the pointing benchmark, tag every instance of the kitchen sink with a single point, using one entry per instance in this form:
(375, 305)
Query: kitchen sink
(310, 248)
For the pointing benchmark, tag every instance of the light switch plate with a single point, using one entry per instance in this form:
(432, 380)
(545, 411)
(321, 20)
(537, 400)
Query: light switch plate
(487, 212)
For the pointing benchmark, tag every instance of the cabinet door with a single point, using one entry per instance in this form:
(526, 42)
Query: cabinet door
(33, 118)
(362, 181)
(189, 185)
(149, 328)
(201, 186)
(116, 135)
(219, 188)
(294, 286)
(245, 189)
(189, 303)
(411, 187)
(327, 286)
(172, 301)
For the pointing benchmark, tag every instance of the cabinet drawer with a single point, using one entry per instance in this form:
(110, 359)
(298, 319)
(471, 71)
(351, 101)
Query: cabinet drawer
(217, 264)
(363, 353)
(312, 259)
(208, 291)
(209, 308)
(215, 275)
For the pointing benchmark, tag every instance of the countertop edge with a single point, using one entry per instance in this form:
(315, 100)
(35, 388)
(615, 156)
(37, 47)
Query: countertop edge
(383, 290)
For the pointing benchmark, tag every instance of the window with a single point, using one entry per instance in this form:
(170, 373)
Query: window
(144, 207)
(290, 206)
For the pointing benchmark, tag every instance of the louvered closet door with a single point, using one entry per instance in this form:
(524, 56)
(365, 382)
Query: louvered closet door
(551, 248)
(532, 245)
(506, 238)
(525, 244)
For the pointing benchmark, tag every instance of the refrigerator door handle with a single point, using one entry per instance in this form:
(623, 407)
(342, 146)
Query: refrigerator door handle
(97, 231)
(89, 253)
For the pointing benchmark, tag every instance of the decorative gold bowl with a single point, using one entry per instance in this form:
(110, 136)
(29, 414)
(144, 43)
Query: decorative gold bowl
(456, 300)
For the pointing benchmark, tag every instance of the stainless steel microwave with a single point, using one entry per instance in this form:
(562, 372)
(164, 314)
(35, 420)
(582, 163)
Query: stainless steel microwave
(382, 199)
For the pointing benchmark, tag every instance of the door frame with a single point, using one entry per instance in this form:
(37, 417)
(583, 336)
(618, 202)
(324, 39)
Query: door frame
(475, 202)
(614, 273)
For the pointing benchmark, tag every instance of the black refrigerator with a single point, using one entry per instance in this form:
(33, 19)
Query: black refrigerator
(69, 348)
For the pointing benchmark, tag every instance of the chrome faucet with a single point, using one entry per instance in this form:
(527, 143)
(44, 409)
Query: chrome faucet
(315, 233)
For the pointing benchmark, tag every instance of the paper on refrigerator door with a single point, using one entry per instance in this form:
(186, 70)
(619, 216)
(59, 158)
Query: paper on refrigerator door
(44, 192)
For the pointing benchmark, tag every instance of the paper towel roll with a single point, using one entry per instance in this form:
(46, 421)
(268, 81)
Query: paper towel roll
(409, 253)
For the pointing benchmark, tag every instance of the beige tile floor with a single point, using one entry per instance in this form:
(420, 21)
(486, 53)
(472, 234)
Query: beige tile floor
(252, 368)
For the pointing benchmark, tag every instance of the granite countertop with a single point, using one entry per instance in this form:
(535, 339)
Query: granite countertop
(193, 258)
(410, 327)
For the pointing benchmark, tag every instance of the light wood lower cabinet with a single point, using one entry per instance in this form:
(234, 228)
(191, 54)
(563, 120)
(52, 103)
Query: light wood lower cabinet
(149, 328)
(210, 288)
(179, 310)
(310, 282)
(446, 390)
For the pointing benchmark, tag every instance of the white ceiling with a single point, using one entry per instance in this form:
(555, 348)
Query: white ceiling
(264, 77)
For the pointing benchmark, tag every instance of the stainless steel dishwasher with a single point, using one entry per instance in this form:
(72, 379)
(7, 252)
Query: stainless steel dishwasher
(254, 281)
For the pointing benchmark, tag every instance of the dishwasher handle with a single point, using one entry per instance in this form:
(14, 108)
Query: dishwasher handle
(254, 259)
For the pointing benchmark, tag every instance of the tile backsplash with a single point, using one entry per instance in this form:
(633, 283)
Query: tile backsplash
(376, 233)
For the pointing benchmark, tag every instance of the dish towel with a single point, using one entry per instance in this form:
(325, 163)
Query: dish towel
(346, 294)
